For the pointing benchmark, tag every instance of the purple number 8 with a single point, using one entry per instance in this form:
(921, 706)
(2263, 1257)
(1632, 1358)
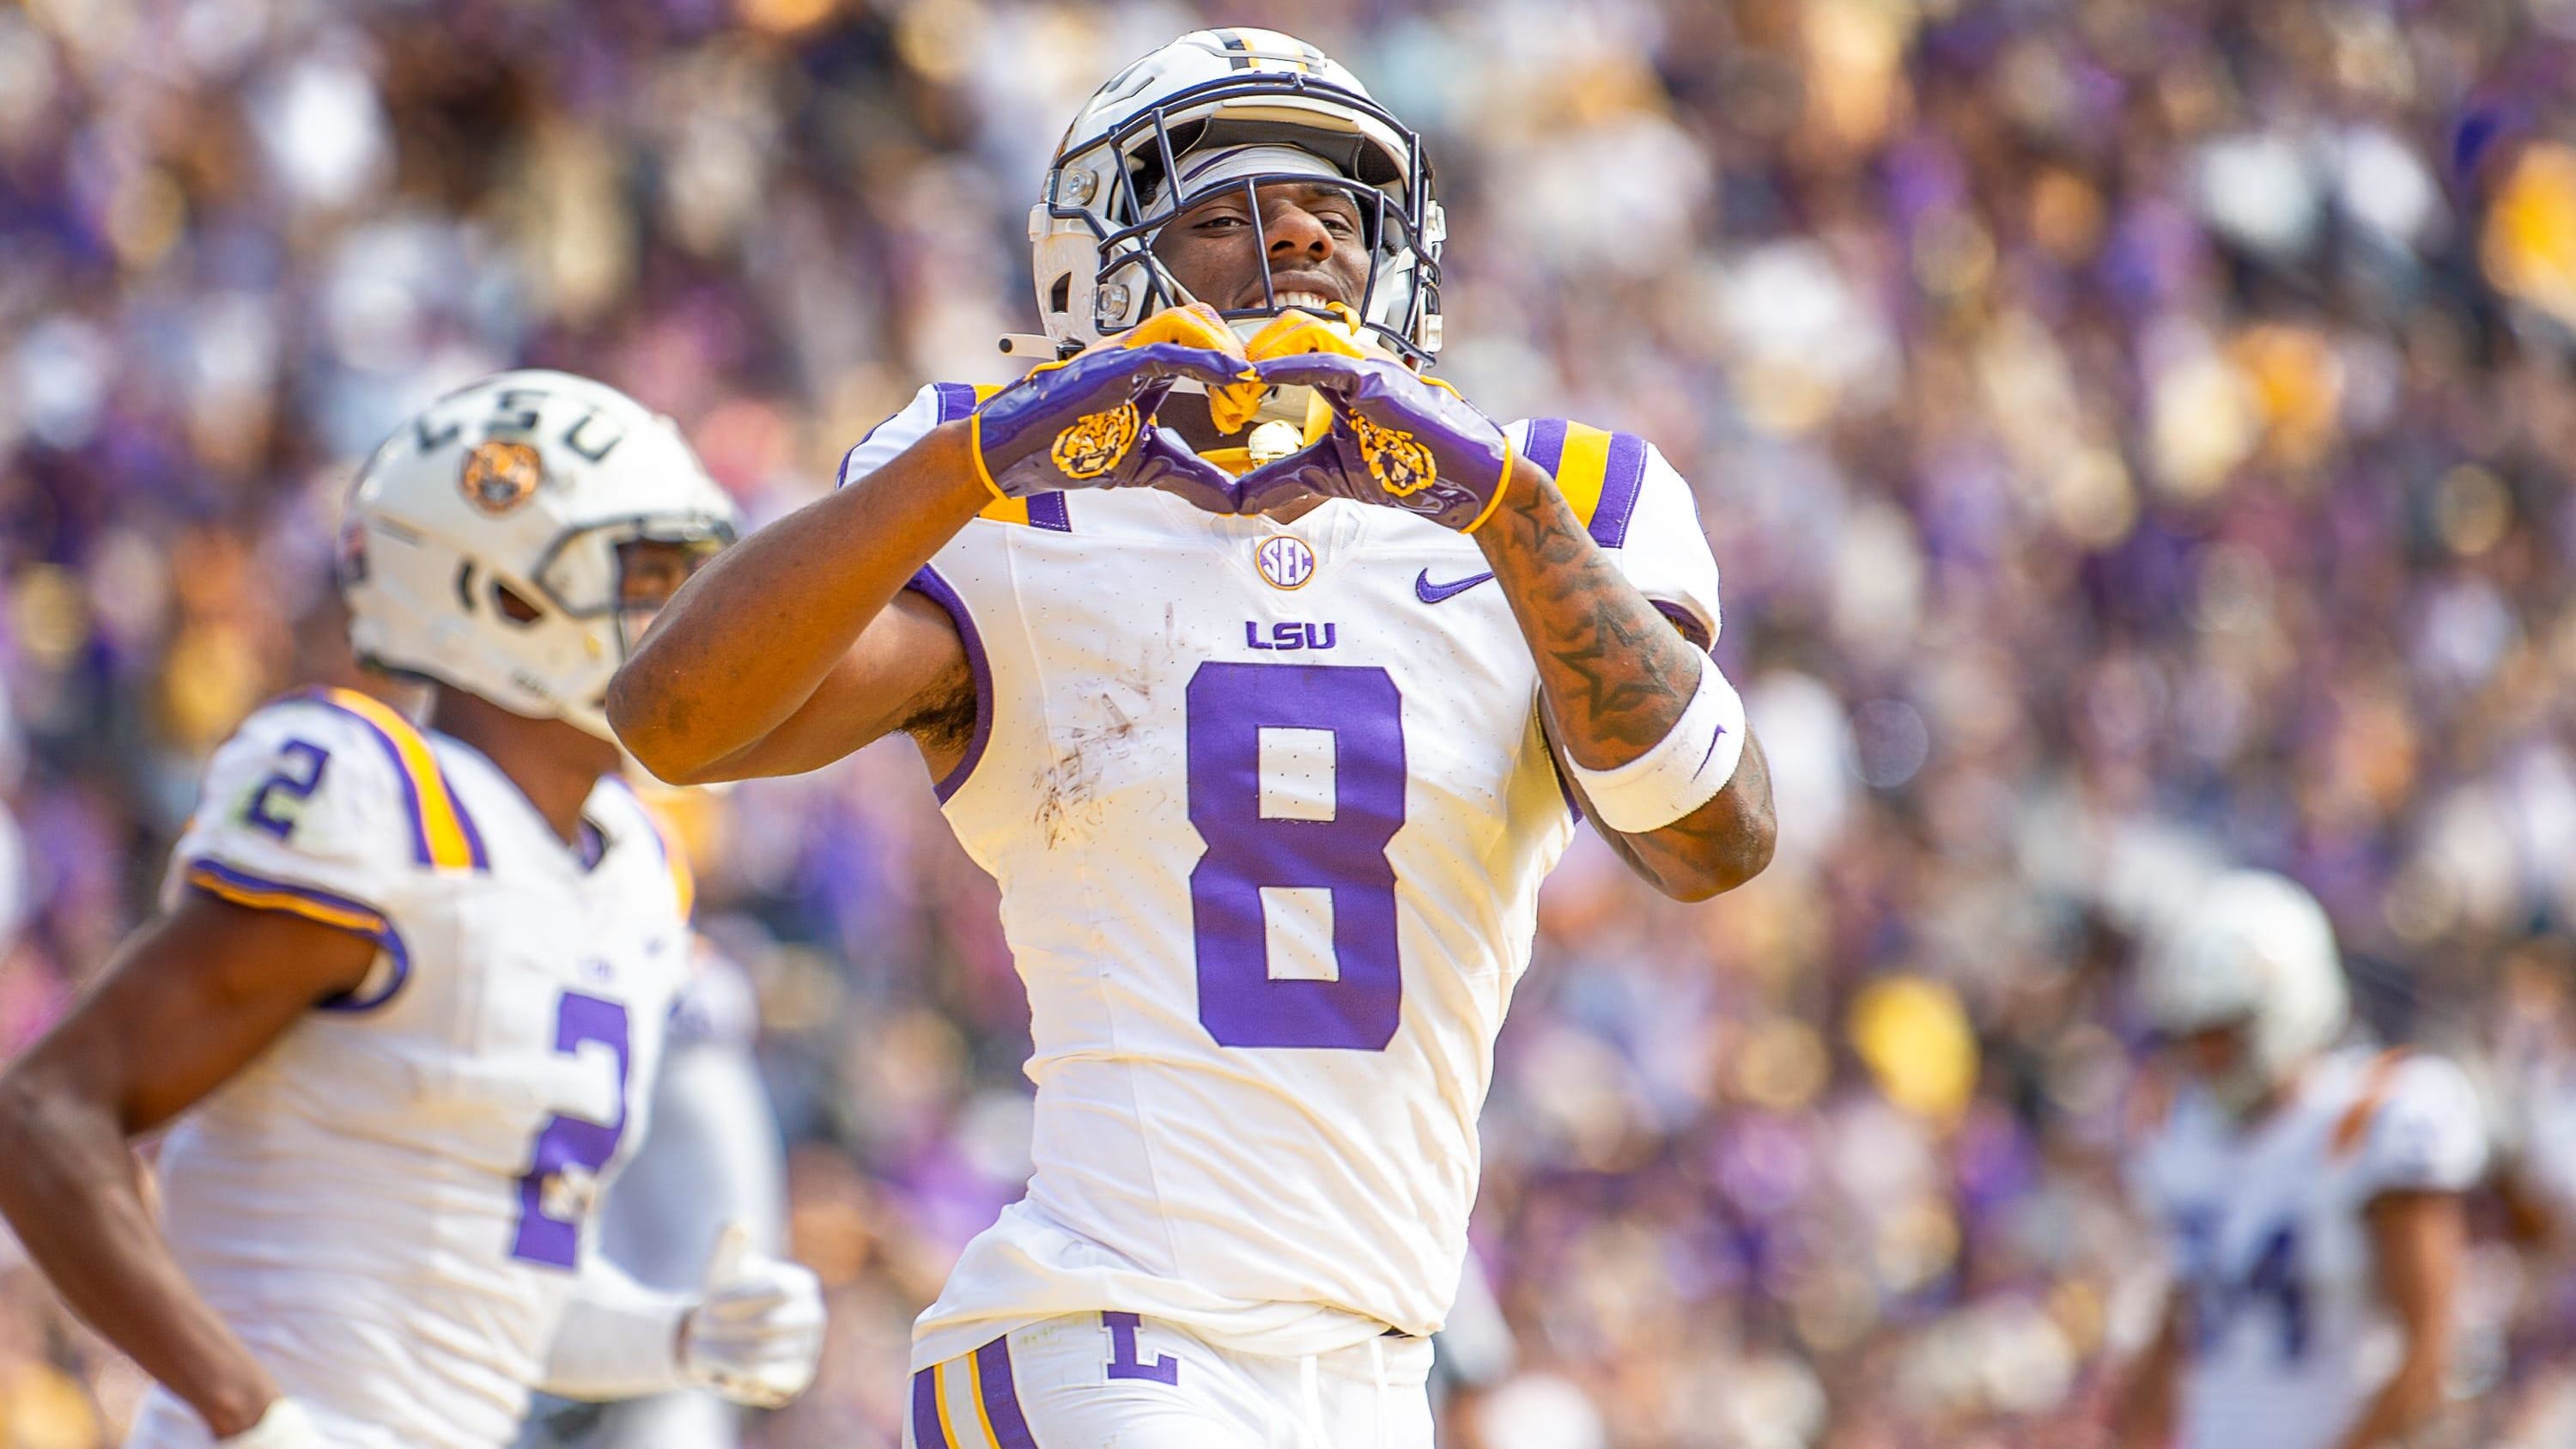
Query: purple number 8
(1239, 1003)
(571, 1141)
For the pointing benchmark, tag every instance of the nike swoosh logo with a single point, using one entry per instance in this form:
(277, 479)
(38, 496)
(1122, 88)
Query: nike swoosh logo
(1431, 593)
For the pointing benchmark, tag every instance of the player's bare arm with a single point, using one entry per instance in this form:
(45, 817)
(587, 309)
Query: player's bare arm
(1615, 675)
(2416, 1239)
(798, 646)
(2143, 1414)
(190, 1001)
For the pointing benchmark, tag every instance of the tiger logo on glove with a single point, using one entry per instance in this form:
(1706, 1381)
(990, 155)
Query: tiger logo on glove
(1096, 441)
(1400, 465)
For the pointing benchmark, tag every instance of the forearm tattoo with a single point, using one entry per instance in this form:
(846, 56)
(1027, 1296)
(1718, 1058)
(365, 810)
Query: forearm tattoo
(1616, 674)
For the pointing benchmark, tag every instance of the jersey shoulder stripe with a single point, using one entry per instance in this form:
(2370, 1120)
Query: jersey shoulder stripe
(260, 893)
(1601, 473)
(443, 835)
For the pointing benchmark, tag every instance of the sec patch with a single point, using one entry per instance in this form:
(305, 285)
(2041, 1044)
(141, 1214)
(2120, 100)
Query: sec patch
(1284, 560)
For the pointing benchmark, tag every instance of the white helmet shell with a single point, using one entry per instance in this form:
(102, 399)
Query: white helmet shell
(1091, 234)
(2255, 950)
(480, 546)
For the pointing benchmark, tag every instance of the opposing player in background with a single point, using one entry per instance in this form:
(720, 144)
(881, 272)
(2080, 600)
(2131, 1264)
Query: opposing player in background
(2310, 1193)
(1269, 703)
(408, 989)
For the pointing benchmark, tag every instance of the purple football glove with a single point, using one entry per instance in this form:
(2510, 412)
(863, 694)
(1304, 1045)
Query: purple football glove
(1397, 439)
(1089, 423)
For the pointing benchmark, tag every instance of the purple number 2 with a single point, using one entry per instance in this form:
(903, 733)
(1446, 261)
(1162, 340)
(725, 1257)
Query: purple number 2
(1240, 1003)
(571, 1141)
(287, 782)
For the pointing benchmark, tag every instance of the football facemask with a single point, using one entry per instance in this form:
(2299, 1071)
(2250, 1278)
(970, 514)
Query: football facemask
(1112, 188)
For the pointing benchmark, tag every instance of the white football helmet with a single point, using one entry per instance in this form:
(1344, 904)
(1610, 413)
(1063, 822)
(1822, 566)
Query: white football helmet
(2252, 950)
(1091, 236)
(482, 544)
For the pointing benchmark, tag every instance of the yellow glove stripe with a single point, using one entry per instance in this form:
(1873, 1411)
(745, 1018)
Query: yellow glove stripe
(1000, 510)
(975, 451)
(1502, 485)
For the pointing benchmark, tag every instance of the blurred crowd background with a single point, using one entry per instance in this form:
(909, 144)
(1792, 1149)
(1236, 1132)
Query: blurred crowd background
(2133, 432)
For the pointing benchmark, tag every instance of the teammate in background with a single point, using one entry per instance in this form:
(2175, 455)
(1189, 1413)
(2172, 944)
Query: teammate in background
(711, 1159)
(1269, 704)
(2310, 1194)
(406, 988)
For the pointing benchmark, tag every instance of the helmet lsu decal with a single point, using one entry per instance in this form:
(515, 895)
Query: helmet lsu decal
(1125, 169)
(2251, 950)
(494, 542)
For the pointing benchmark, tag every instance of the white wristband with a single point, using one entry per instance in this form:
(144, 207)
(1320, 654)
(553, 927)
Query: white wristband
(1678, 773)
(617, 1339)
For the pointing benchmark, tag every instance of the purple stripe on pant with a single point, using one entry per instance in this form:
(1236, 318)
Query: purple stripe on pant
(925, 1411)
(1001, 1396)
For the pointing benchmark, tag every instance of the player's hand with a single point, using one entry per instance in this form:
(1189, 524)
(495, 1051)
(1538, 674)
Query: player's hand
(1089, 422)
(1397, 439)
(756, 1335)
(284, 1425)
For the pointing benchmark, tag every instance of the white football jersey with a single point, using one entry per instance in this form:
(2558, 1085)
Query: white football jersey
(2285, 1336)
(389, 1204)
(1269, 805)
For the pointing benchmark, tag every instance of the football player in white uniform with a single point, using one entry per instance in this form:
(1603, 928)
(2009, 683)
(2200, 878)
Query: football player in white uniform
(1265, 674)
(711, 1161)
(2310, 1194)
(409, 989)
